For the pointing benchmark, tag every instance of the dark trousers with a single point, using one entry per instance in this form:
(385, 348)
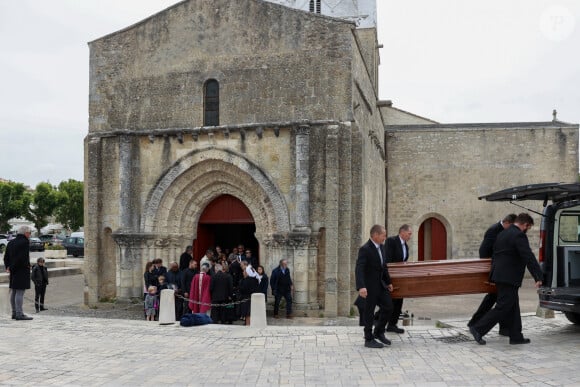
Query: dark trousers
(385, 303)
(178, 308)
(217, 312)
(278, 297)
(39, 292)
(486, 305)
(506, 310)
(397, 309)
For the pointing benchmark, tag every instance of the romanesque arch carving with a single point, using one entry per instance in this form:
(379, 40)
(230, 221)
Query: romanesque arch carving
(180, 195)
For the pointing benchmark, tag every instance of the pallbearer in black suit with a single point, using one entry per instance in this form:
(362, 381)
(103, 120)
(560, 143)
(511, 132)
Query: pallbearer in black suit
(374, 285)
(511, 255)
(486, 251)
(398, 251)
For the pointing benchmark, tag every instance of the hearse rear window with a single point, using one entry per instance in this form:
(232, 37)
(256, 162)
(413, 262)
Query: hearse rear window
(569, 230)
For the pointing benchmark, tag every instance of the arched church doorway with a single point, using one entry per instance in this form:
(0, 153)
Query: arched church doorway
(432, 240)
(226, 222)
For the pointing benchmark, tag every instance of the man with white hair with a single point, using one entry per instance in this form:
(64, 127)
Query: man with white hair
(17, 263)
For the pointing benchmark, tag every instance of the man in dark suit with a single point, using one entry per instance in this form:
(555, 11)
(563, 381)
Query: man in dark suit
(398, 251)
(250, 259)
(221, 289)
(486, 251)
(17, 263)
(374, 285)
(185, 258)
(511, 255)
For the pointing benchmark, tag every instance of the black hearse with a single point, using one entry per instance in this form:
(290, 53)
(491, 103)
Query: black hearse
(559, 253)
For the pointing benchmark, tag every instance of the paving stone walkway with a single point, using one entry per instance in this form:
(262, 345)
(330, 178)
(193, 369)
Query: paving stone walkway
(57, 350)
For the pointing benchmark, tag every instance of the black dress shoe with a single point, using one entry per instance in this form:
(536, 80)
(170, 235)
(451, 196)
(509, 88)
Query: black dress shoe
(383, 339)
(23, 318)
(523, 340)
(395, 329)
(42, 308)
(476, 336)
(373, 344)
(13, 316)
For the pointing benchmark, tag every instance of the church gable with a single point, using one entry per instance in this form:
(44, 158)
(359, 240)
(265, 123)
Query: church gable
(284, 63)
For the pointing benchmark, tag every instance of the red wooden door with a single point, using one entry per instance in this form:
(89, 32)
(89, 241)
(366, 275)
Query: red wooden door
(205, 240)
(421, 239)
(226, 209)
(223, 210)
(438, 240)
(432, 240)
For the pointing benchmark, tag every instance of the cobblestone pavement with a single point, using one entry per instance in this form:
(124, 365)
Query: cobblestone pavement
(63, 350)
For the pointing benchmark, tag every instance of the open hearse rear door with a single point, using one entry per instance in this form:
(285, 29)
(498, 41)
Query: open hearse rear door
(559, 253)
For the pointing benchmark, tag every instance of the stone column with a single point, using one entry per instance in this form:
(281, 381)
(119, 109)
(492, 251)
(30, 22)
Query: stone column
(130, 265)
(299, 242)
(302, 221)
(299, 248)
(332, 210)
(344, 221)
(92, 196)
(125, 186)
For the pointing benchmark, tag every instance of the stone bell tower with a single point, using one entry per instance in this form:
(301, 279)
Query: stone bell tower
(362, 12)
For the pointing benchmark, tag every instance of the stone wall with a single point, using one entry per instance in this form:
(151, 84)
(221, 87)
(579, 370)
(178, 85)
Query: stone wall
(273, 64)
(440, 170)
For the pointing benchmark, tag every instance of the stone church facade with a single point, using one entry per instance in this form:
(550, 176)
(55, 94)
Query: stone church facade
(298, 135)
(261, 117)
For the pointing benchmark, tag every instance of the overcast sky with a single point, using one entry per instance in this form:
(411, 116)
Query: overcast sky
(449, 60)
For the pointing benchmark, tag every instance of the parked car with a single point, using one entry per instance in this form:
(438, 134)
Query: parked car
(50, 239)
(36, 244)
(3, 243)
(559, 254)
(75, 246)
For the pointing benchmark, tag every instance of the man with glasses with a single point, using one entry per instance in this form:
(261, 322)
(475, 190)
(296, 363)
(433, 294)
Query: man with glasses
(17, 263)
(250, 259)
(511, 255)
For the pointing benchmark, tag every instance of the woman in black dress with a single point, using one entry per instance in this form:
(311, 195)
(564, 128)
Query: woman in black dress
(248, 285)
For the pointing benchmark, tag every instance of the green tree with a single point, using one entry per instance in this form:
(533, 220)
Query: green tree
(70, 209)
(45, 200)
(14, 202)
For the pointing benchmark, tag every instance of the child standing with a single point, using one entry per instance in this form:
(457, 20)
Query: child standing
(161, 284)
(151, 303)
(40, 279)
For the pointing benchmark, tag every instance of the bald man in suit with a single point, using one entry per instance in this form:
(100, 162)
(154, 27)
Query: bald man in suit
(374, 285)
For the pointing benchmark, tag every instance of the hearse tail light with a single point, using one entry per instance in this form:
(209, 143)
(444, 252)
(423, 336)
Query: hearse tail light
(542, 255)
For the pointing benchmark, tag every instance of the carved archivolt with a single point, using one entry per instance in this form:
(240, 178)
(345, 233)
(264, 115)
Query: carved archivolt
(181, 194)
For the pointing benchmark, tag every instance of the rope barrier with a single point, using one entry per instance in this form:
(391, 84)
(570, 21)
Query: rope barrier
(210, 304)
(140, 304)
(63, 310)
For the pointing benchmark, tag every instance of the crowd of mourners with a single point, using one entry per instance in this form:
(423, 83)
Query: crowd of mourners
(220, 284)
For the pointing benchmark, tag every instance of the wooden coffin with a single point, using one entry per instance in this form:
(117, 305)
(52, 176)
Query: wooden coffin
(440, 278)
